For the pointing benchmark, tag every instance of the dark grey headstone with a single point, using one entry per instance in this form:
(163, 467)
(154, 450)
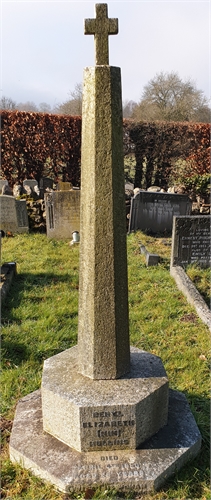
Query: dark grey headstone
(155, 211)
(45, 183)
(191, 241)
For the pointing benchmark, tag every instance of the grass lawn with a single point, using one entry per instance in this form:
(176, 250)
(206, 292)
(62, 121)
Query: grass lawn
(39, 319)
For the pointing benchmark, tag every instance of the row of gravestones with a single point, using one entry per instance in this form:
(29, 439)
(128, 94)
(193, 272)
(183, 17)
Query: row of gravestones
(151, 211)
(15, 213)
(31, 187)
(154, 211)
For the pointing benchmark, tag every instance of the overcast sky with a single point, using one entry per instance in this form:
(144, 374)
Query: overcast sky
(44, 49)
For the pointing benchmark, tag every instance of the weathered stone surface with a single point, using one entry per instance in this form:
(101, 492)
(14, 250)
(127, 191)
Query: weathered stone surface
(103, 330)
(152, 259)
(13, 215)
(101, 27)
(62, 213)
(64, 186)
(104, 414)
(191, 241)
(141, 470)
(93, 398)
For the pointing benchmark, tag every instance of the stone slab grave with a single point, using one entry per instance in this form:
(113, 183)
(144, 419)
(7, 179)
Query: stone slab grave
(13, 215)
(104, 415)
(154, 211)
(191, 244)
(62, 213)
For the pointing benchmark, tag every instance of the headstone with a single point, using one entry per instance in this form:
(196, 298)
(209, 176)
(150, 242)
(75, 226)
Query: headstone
(62, 213)
(6, 189)
(154, 189)
(13, 215)
(45, 183)
(129, 186)
(191, 241)
(154, 212)
(3, 182)
(64, 186)
(100, 400)
(30, 182)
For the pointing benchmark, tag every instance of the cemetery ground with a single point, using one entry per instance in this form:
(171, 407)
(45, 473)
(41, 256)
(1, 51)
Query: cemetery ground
(39, 319)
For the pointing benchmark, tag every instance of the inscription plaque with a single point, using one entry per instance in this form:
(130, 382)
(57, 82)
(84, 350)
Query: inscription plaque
(191, 241)
(109, 429)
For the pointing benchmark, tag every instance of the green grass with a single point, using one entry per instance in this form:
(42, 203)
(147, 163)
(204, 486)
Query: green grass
(201, 279)
(39, 319)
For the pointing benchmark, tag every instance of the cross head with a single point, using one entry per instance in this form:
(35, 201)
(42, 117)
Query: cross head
(101, 27)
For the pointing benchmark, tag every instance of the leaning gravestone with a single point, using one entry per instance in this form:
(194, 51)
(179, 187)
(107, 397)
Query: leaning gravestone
(13, 215)
(62, 213)
(101, 401)
(154, 211)
(191, 241)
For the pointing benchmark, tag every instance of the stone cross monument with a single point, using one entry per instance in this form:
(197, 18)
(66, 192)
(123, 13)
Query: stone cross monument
(100, 417)
(103, 332)
(101, 27)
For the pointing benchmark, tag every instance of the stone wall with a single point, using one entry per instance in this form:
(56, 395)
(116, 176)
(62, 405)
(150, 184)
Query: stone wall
(37, 215)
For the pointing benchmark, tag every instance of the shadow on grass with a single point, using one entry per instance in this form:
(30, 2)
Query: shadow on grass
(27, 282)
(30, 287)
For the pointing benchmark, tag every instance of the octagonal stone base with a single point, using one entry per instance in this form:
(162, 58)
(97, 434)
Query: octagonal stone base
(90, 415)
(141, 470)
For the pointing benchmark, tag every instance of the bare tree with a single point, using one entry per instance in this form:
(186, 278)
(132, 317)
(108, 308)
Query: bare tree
(128, 108)
(7, 103)
(27, 106)
(167, 97)
(44, 107)
(74, 105)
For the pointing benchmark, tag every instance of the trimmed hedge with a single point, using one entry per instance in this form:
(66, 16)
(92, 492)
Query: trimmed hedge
(39, 144)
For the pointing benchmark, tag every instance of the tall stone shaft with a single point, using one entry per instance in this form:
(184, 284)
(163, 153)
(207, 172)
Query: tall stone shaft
(103, 331)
